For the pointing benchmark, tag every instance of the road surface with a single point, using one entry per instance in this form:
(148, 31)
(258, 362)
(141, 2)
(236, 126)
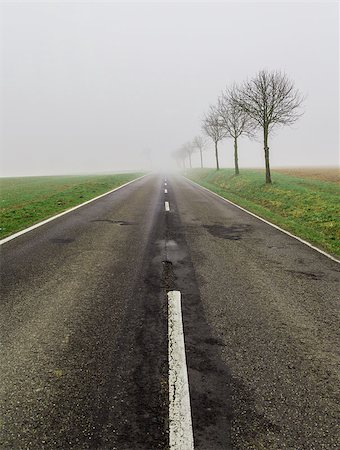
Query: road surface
(84, 327)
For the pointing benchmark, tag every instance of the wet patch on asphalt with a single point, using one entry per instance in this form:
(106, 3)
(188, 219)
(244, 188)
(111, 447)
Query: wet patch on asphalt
(309, 275)
(214, 341)
(141, 417)
(168, 276)
(209, 378)
(232, 233)
(127, 391)
(115, 222)
(276, 247)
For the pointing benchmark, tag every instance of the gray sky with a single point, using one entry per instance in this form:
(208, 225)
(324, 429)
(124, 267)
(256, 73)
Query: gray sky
(89, 86)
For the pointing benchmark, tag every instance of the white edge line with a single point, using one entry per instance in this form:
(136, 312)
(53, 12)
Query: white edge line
(180, 422)
(267, 222)
(39, 224)
(166, 206)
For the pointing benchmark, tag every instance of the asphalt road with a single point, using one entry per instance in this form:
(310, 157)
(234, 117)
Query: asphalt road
(84, 357)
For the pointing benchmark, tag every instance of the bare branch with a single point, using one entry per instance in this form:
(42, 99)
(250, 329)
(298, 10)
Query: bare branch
(269, 100)
(200, 143)
(213, 128)
(232, 117)
(212, 125)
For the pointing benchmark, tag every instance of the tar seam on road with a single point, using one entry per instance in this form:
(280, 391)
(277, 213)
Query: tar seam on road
(166, 206)
(39, 224)
(180, 423)
(267, 222)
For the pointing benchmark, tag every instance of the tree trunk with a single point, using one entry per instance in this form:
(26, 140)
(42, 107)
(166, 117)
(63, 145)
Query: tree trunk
(216, 155)
(190, 160)
(237, 171)
(266, 155)
(201, 159)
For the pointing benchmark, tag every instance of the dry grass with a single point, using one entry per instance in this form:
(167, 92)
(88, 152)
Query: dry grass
(331, 174)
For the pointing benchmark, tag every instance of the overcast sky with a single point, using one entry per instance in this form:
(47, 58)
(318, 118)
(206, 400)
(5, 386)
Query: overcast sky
(90, 86)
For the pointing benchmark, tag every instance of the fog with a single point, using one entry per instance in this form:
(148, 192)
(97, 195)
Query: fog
(90, 87)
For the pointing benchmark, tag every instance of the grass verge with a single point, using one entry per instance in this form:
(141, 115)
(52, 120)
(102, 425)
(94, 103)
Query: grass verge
(28, 200)
(306, 207)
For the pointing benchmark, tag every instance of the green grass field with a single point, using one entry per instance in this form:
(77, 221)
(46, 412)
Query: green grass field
(308, 208)
(28, 200)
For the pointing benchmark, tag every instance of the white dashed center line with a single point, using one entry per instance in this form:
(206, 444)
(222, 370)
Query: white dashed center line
(180, 423)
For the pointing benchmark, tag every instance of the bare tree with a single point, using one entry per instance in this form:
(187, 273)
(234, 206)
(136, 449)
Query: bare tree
(234, 120)
(200, 143)
(188, 150)
(212, 128)
(180, 156)
(269, 99)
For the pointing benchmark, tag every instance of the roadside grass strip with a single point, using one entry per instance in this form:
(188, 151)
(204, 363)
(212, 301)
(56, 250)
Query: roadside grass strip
(39, 224)
(180, 422)
(305, 209)
(269, 223)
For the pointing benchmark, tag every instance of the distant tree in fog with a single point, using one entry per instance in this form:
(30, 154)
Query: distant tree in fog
(269, 99)
(188, 149)
(200, 143)
(234, 120)
(212, 127)
(180, 157)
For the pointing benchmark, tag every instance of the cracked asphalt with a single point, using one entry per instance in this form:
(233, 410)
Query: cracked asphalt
(83, 323)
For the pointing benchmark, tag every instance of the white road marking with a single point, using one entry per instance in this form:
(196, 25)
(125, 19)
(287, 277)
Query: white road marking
(165, 191)
(266, 221)
(180, 423)
(165, 184)
(166, 206)
(39, 224)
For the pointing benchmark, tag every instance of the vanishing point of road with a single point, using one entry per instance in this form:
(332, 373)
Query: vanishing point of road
(90, 352)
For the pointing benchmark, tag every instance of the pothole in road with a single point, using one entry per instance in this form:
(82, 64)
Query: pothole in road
(115, 222)
(310, 275)
(232, 233)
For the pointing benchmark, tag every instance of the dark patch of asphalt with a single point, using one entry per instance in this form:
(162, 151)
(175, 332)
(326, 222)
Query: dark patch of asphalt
(209, 378)
(84, 327)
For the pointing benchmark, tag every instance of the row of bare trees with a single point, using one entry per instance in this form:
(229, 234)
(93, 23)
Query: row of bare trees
(260, 104)
(199, 143)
